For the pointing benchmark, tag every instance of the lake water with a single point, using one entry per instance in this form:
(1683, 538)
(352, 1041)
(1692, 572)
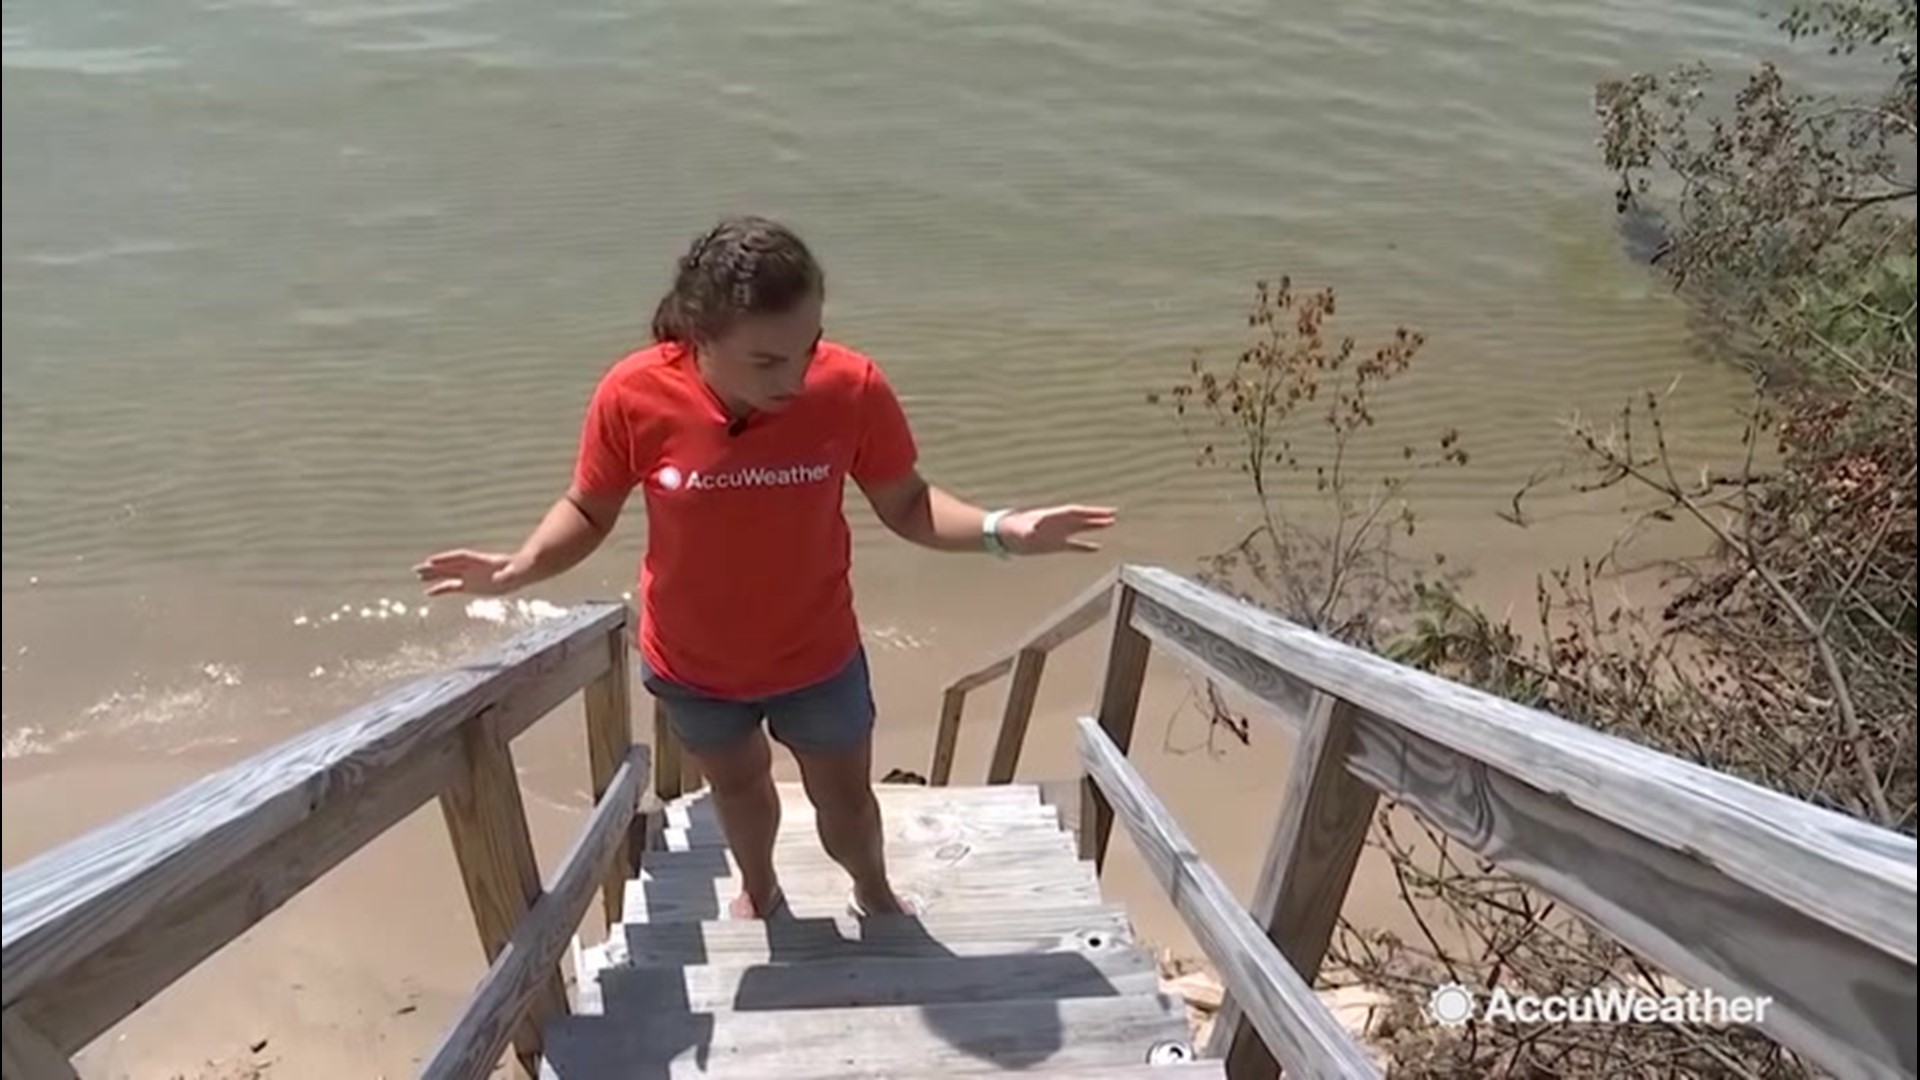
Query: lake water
(297, 291)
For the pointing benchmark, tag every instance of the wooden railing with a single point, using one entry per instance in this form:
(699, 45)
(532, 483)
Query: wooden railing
(1028, 662)
(97, 927)
(1727, 885)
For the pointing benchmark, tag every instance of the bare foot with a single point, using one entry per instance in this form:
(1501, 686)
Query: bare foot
(744, 906)
(880, 902)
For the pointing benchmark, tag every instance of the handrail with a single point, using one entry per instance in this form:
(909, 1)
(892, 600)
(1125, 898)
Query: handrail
(1281, 1004)
(98, 926)
(477, 1038)
(1705, 874)
(1794, 852)
(1607, 826)
(1027, 659)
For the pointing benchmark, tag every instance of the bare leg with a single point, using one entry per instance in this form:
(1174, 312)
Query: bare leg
(741, 776)
(840, 787)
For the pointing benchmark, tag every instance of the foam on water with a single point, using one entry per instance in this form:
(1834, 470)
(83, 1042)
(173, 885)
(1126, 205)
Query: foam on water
(495, 610)
(516, 612)
(366, 645)
(893, 637)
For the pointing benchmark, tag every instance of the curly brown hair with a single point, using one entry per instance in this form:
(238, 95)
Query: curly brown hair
(744, 265)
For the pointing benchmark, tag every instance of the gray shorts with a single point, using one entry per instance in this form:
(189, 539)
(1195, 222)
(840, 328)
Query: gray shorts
(835, 714)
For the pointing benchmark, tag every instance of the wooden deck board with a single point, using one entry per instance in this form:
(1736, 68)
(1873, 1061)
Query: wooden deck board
(893, 798)
(962, 933)
(708, 860)
(1182, 1070)
(1040, 855)
(1044, 884)
(880, 1041)
(704, 815)
(898, 829)
(869, 980)
(794, 791)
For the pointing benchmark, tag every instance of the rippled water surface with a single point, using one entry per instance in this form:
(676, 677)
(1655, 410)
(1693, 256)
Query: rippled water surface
(297, 291)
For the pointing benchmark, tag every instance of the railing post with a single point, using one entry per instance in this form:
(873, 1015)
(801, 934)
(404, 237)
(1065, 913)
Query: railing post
(1121, 681)
(667, 756)
(609, 708)
(946, 739)
(1310, 861)
(488, 823)
(1021, 694)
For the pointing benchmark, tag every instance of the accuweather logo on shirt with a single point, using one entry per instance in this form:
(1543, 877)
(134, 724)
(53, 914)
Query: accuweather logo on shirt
(672, 479)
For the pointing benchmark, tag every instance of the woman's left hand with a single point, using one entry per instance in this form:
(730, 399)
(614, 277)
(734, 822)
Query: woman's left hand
(1053, 529)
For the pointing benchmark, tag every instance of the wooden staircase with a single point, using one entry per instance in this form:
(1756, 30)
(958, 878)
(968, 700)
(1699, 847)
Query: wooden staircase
(1014, 964)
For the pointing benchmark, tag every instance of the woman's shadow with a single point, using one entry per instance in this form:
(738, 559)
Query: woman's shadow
(824, 995)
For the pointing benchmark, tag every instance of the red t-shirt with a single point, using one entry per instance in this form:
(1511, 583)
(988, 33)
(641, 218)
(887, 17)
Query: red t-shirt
(744, 587)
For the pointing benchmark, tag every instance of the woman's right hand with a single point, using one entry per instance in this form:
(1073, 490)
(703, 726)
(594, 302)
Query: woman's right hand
(480, 573)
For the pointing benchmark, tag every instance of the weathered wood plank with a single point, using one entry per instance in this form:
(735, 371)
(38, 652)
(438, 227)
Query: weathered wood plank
(793, 797)
(81, 898)
(493, 847)
(1121, 683)
(1841, 1002)
(902, 858)
(871, 981)
(1846, 873)
(951, 817)
(1028, 669)
(1042, 874)
(800, 837)
(851, 1044)
(26, 1054)
(936, 891)
(1310, 861)
(1131, 1071)
(796, 820)
(112, 981)
(609, 713)
(1081, 928)
(1079, 615)
(1281, 1004)
(476, 1040)
(902, 824)
(946, 737)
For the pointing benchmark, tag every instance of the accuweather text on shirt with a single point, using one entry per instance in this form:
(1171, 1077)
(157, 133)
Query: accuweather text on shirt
(757, 477)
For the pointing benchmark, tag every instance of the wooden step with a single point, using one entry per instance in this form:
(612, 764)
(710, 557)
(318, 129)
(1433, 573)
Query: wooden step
(793, 791)
(1046, 882)
(904, 859)
(1139, 1071)
(1181, 1071)
(704, 814)
(797, 844)
(893, 800)
(897, 829)
(870, 981)
(1087, 928)
(880, 1041)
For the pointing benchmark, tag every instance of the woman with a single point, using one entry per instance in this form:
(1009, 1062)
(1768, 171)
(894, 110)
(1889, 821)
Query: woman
(741, 423)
